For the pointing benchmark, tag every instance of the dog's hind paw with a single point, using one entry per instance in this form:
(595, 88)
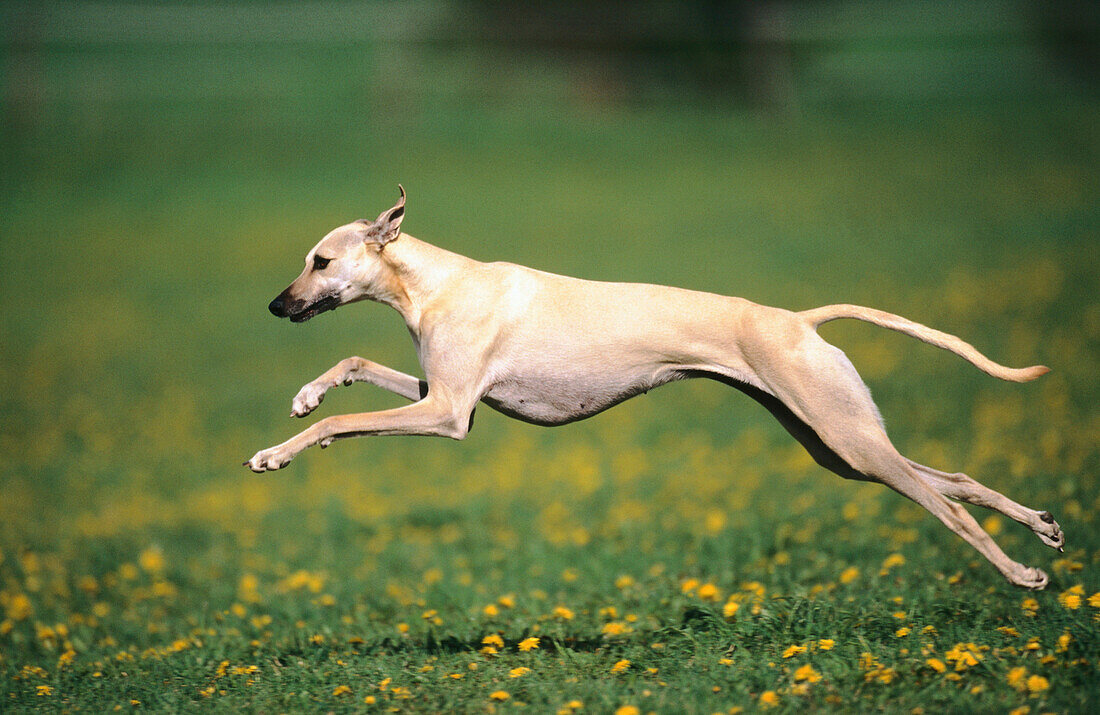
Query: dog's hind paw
(1049, 532)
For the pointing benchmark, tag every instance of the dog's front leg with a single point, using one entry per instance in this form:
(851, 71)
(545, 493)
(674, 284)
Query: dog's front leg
(356, 369)
(427, 417)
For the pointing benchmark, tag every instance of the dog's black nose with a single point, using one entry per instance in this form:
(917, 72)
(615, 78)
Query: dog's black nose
(277, 308)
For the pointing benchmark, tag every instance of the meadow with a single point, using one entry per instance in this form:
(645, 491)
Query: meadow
(679, 553)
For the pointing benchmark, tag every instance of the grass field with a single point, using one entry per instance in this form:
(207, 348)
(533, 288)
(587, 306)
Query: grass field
(679, 553)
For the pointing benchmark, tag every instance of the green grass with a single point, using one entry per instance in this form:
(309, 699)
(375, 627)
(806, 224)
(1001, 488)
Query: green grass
(141, 242)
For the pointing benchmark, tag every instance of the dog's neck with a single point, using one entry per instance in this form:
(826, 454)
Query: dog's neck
(419, 272)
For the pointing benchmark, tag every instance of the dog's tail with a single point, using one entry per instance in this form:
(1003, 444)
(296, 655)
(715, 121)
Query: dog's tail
(824, 314)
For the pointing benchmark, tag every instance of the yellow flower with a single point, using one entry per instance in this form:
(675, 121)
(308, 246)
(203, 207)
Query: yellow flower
(1063, 642)
(528, 644)
(493, 640)
(624, 582)
(893, 560)
(964, 655)
(574, 705)
(849, 574)
(1069, 600)
(1030, 606)
(826, 644)
(615, 628)
(508, 601)
(794, 650)
(689, 585)
(370, 700)
(518, 672)
(725, 661)
(768, 699)
(152, 560)
(491, 610)
(19, 607)
(807, 673)
(627, 710)
(1037, 683)
(730, 609)
(1016, 677)
(1094, 600)
(936, 664)
(340, 690)
(901, 632)
(499, 695)
(708, 592)
(563, 613)
(620, 667)
(42, 690)
(66, 658)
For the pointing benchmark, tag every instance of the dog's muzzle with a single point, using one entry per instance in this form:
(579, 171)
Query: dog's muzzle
(298, 310)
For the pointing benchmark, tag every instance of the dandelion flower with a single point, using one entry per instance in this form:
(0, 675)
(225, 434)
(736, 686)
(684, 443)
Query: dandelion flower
(624, 582)
(499, 695)
(730, 609)
(627, 710)
(615, 628)
(340, 690)
(807, 673)
(794, 650)
(528, 644)
(893, 560)
(708, 592)
(563, 613)
(518, 672)
(849, 574)
(1037, 684)
(826, 644)
(768, 699)
(493, 640)
(43, 690)
(491, 610)
(620, 667)
(1069, 600)
(1017, 677)
(936, 664)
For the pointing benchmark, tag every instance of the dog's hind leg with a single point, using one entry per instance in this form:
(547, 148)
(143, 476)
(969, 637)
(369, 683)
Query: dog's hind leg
(959, 486)
(821, 389)
(356, 369)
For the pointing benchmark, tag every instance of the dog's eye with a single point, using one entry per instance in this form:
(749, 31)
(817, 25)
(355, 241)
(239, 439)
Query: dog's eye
(319, 264)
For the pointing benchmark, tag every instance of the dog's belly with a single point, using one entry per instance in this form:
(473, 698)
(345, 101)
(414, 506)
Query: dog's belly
(556, 400)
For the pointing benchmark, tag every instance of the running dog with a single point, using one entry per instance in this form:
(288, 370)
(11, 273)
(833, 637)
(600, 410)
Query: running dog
(548, 349)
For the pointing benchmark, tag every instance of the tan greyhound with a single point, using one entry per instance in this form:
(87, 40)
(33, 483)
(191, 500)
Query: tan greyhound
(548, 349)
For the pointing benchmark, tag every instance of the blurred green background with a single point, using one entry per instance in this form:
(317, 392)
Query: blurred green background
(165, 166)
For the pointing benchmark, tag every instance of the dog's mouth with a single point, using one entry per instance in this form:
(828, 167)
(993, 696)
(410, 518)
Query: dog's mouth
(329, 302)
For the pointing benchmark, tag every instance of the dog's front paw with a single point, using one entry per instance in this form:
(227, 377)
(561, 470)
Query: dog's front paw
(307, 400)
(268, 460)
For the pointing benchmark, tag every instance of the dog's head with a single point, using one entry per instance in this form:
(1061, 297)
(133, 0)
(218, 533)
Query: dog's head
(344, 267)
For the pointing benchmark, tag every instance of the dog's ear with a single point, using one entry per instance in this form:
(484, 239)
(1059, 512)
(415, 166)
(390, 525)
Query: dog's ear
(387, 226)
